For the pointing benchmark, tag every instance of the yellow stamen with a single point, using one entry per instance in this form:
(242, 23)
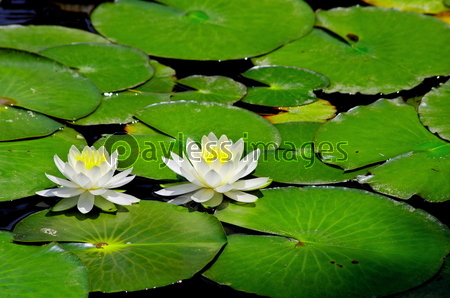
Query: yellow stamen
(91, 158)
(212, 152)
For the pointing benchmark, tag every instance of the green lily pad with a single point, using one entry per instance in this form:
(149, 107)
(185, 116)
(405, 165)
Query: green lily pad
(150, 244)
(25, 83)
(162, 82)
(295, 161)
(329, 242)
(211, 89)
(139, 128)
(287, 86)
(126, 102)
(379, 49)
(193, 120)
(21, 124)
(24, 163)
(111, 67)
(36, 38)
(374, 133)
(438, 286)
(296, 134)
(144, 153)
(425, 173)
(420, 6)
(434, 110)
(22, 274)
(206, 30)
(318, 111)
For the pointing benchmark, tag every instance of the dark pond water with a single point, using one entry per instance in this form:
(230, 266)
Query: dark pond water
(75, 14)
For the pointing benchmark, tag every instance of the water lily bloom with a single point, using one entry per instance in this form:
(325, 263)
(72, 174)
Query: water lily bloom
(90, 175)
(212, 171)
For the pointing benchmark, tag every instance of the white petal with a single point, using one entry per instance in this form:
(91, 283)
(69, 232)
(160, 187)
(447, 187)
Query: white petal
(216, 200)
(224, 188)
(98, 192)
(202, 195)
(193, 177)
(67, 192)
(177, 189)
(212, 179)
(241, 196)
(119, 198)
(85, 202)
(181, 200)
(46, 192)
(212, 137)
(174, 166)
(124, 181)
(105, 178)
(119, 180)
(60, 181)
(82, 180)
(65, 204)
(59, 164)
(94, 174)
(193, 150)
(251, 184)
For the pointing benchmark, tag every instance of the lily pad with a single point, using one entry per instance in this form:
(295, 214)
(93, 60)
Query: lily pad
(36, 38)
(206, 30)
(420, 6)
(425, 173)
(22, 275)
(21, 124)
(24, 163)
(111, 67)
(434, 110)
(377, 49)
(120, 107)
(374, 133)
(329, 242)
(25, 83)
(193, 120)
(295, 161)
(144, 153)
(162, 82)
(318, 111)
(211, 89)
(287, 86)
(150, 244)
(139, 128)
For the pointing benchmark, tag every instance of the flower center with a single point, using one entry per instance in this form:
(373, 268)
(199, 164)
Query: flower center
(212, 152)
(91, 158)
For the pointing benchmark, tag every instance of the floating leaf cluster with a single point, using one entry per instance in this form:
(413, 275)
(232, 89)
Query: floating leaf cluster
(299, 240)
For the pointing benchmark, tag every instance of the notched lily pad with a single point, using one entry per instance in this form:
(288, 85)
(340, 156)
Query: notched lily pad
(369, 56)
(111, 67)
(287, 86)
(24, 163)
(35, 38)
(120, 107)
(329, 242)
(195, 119)
(211, 89)
(22, 124)
(318, 111)
(206, 30)
(419, 6)
(25, 82)
(374, 133)
(146, 245)
(162, 82)
(434, 110)
(21, 273)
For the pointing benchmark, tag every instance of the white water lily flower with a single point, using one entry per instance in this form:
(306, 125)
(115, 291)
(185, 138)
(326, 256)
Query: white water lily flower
(213, 170)
(90, 175)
